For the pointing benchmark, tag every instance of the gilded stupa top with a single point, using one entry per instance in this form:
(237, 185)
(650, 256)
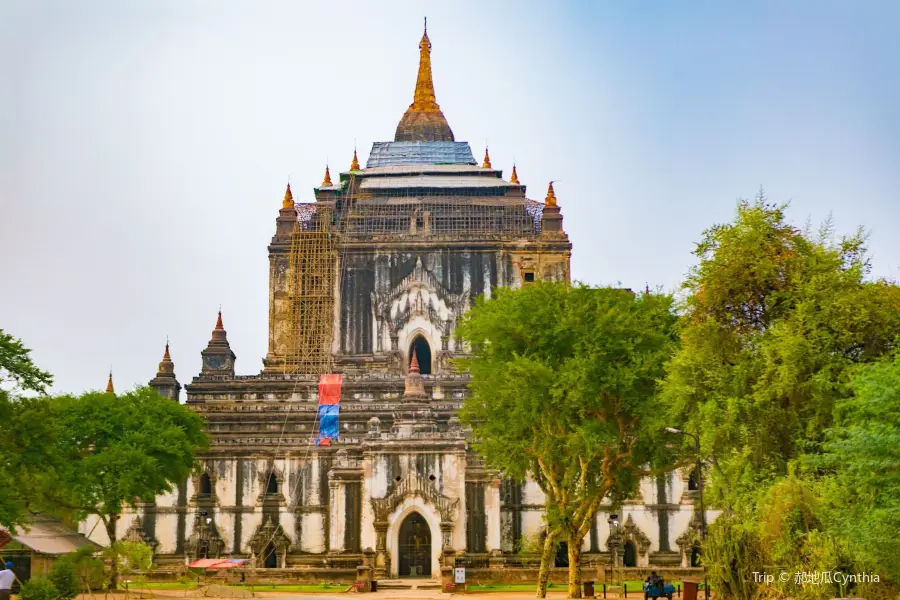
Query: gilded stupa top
(423, 121)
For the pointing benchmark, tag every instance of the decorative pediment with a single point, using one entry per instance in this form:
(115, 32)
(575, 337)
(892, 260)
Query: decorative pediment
(629, 532)
(270, 533)
(205, 540)
(415, 485)
(421, 288)
(136, 533)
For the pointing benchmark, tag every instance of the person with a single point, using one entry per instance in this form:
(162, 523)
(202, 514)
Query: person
(7, 577)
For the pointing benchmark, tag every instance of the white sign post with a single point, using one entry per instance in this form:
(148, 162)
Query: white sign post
(460, 575)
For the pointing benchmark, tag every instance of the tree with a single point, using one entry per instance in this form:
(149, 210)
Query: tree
(564, 390)
(862, 466)
(125, 449)
(773, 325)
(28, 458)
(17, 368)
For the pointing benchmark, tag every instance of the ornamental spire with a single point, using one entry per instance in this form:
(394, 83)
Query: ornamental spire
(424, 99)
(109, 384)
(219, 321)
(354, 165)
(327, 181)
(487, 159)
(166, 353)
(414, 364)
(288, 198)
(550, 200)
(514, 178)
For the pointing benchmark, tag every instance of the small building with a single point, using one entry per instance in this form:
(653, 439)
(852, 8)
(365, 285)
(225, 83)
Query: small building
(35, 548)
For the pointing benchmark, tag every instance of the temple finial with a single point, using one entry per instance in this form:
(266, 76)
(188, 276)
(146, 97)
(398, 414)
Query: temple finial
(414, 364)
(647, 289)
(109, 384)
(166, 353)
(327, 181)
(354, 166)
(424, 99)
(550, 200)
(219, 320)
(288, 198)
(487, 159)
(514, 178)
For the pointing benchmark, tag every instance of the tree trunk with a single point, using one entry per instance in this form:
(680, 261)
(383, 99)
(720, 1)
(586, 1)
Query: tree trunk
(547, 555)
(111, 521)
(575, 541)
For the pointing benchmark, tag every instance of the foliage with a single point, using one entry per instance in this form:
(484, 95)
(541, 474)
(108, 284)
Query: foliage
(775, 325)
(861, 466)
(28, 471)
(17, 369)
(126, 448)
(563, 387)
(64, 576)
(38, 588)
(133, 557)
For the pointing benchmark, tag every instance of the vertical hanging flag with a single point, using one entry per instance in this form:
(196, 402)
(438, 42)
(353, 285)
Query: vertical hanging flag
(329, 408)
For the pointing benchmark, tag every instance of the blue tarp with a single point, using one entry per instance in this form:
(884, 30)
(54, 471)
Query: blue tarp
(328, 422)
(391, 154)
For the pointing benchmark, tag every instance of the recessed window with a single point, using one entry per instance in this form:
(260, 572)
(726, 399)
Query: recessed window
(205, 486)
(529, 276)
(272, 485)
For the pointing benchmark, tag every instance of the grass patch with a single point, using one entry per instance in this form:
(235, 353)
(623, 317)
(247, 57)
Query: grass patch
(633, 586)
(164, 585)
(190, 585)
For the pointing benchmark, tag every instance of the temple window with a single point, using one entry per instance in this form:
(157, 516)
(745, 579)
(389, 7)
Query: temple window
(272, 485)
(205, 486)
(528, 276)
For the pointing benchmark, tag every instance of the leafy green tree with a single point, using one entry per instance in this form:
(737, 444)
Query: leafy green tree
(125, 449)
(17, 368)
(774, 323)
(30, 461)
(862, 466)
(564, 382)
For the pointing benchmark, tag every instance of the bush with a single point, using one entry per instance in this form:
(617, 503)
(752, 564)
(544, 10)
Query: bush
(64, 575)
(39, 589)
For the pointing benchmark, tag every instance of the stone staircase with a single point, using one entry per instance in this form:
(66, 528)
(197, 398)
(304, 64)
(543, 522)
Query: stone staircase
(409, 584)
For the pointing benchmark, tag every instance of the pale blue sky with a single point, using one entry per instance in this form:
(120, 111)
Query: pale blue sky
(146, 145)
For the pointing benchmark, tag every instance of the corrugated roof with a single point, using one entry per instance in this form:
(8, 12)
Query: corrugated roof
(432, 181)
(388, 154)
(47, 535)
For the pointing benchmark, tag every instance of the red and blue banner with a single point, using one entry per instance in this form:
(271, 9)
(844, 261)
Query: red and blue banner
(329, 408)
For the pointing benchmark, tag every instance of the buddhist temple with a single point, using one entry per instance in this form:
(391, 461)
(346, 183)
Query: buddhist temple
(345, 448)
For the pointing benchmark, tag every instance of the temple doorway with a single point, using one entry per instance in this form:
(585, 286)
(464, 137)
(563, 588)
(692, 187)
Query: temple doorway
(414, 547)
(270, 557)
(630, 555)
(422, 351)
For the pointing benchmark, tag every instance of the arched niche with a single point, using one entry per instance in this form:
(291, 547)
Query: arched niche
(422, 351)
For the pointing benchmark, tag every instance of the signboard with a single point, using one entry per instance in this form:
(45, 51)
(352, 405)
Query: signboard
(460, 575)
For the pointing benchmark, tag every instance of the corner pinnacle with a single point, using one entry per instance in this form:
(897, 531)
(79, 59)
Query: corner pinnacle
(288, 198)
(354, 166)
(109, 384)
(514, 178)
(550, 200)
(487, 159)
(327, 181)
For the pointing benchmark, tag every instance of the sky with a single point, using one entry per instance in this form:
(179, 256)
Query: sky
(145, 145)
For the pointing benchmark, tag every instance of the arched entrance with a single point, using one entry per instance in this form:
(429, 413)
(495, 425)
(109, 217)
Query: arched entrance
(414, 547)
(629, 558)
(695, 556)
(422, 350)
(562, 555)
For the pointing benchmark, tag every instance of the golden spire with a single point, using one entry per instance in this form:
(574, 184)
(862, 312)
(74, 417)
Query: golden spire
(327, 181)
(354, 166)
(109, 384)
(515, 176)
(424, 99)
(288, 198)
(166, 354)
(219, 321)
(551, 197)
(487, 159)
